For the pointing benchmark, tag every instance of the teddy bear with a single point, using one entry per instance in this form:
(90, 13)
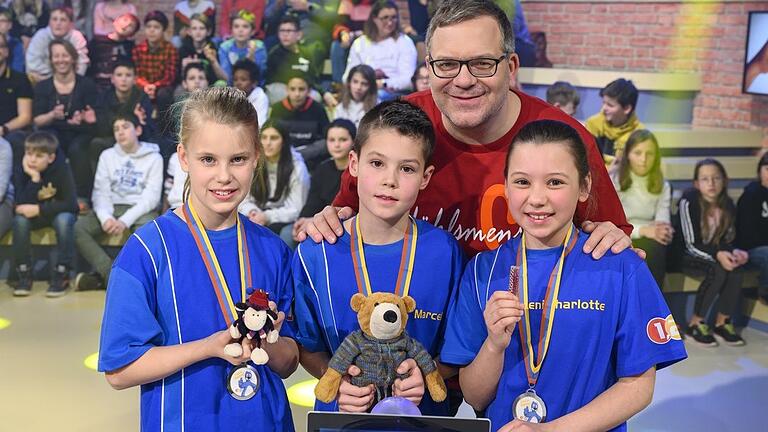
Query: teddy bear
(255, 321)
(378, 348)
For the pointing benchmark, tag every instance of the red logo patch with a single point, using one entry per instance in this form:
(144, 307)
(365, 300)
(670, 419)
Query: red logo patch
(662, 330)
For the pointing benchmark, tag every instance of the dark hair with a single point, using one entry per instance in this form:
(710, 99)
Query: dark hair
(290, 18)
(67, 46)
(552, 131)
(126, 115)
(249, 66)
(158, 16)
(563, 93)
(655, 177)
(343, 123)
(134, 18)
(761, 163)
(260, 188)
(193, 65)
(7, 12)
(41, 141)
(370, 96)
(402, 116)
(453, 12)
(723, 201)
(66, 11)
(124, 62)
(370, 29)
(296, 73)
(624, 91)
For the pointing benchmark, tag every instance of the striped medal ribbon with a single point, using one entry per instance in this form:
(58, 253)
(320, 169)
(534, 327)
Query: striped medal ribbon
(407, 258)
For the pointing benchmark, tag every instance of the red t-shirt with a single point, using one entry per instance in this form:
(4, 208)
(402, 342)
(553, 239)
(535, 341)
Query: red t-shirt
(466, 193)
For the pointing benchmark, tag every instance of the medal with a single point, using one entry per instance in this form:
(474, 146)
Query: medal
(243, 382)
(529, 406)
(403, 284)
(243, 374)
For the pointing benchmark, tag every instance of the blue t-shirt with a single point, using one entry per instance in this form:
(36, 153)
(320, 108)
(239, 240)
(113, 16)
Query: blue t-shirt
(230, 53)
(324, 280)
(607, 326)
(160, 294)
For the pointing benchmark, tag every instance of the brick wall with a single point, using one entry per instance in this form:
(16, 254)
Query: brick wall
(707, 38)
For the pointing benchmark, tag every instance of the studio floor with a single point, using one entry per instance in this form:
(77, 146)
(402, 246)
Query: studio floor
(45, 385)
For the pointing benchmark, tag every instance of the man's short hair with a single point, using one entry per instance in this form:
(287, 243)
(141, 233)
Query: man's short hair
(290, 18)
(402, 116)
(457, 11)
(563, 93)
(124, 62)
(158, 16)
(66, 11)
(125, 115)
(624, 91)
(44, 142)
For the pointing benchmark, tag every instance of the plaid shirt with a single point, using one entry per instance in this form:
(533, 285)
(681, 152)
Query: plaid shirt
(156, 66)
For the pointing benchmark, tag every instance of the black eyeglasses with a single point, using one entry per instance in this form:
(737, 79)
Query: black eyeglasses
(482, 67)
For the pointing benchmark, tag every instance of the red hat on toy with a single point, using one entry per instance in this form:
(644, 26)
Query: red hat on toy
(259, 298)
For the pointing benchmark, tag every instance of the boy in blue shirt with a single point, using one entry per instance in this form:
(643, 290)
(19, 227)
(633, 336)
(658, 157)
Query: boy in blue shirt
(391, 161)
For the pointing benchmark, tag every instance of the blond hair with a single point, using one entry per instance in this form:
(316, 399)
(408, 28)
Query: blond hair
(223, 105)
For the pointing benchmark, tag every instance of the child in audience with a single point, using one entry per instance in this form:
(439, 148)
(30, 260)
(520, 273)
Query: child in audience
(752, 225)
(156, 61)
(540, 299)
(60, 27)
(326, 177)
(198, 47)
(14, 46)
(106, 13)
(291, 54)
(183, 13)
(420, 78)
(107, 50)
(242, 45)
(122, 97)
(646, 198)
(386, 49)
(359, 94)
(616, 120)
(353, 15)
(193, 78)
(29, 16)
(45, 197)
(231, 7)
(245, 77)
(174, 183)
(303, 119)
(126, 194)
(282, 185)
(707, 221)
(391, 160)
(563, 95)
(164, 327)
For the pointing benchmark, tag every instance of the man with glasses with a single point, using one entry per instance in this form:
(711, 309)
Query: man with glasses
(15, 101)
(475, 115)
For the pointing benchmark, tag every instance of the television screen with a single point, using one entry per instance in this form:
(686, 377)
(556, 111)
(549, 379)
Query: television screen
(756, 66)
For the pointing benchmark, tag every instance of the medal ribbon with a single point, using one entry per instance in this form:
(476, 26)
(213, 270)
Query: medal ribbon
(211, 262)
(533, 365)
(407, 258)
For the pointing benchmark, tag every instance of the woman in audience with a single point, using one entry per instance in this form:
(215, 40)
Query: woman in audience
(64, 105)
(198, 47)
(358, 95)
(281, 186)
(386, 49)
(645, 197)
(752, 225)
(707, 217)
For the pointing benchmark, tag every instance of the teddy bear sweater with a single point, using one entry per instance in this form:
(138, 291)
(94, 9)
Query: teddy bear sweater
(377, 359)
